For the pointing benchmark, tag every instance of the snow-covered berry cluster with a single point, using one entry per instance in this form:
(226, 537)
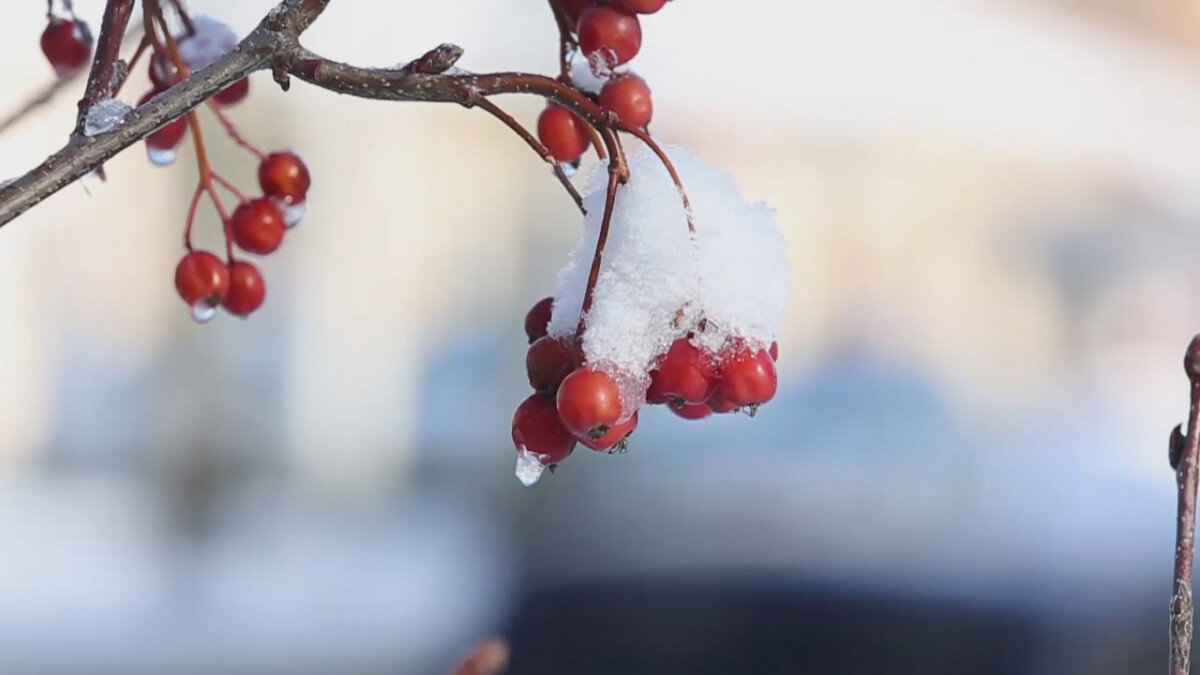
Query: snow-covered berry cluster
(608, 36)
(682, 317)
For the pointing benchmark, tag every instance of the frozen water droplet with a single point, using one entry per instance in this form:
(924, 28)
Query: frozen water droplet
(105, 116)
(569, 169)
(210, 41)
(529, 467)
(161, 156)
(203, 311)
(292, 213)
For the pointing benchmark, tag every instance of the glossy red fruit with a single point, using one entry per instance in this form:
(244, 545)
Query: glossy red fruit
(749, 379)
(67, 45)
(690, 411)
(629, 97)
(257, 226)
(589, 402)
(234, 93)
(616, 436)
(642, 6)
(201, 279)
(573, 9)
(774, 352)
(609, 34)
(538, 318)
(536, 428)
(654, 393)
(563, 133)
(168, 136)
(247, 290)
(686, 373)
(720, 403)
(284, 176)
(547, 362)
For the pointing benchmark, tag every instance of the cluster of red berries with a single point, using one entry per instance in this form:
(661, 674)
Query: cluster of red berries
(161, 145)
(257, 226)
(609, 35)
(67, 44)
(576, 403)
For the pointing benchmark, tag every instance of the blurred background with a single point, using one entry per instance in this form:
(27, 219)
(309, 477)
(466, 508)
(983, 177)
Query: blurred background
(992, 210)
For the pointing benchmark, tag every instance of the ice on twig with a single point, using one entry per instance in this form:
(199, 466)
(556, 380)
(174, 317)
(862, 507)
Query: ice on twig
(105, 116)
(728, 285)
(210, 42)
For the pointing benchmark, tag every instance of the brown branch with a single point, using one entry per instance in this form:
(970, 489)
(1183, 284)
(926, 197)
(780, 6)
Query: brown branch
(618, 173)
(1185, 458)
(537, 146)
(104, 76)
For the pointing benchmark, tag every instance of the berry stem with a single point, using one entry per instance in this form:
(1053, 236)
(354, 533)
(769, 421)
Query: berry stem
(645, 137)
(566, 43)
(229, 186)
(232, 130)
(537, 146)
(108, 51)
(618, 173)
(191, 216)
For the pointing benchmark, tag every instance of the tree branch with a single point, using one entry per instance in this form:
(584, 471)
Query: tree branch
(1185, 459)
(104, 77)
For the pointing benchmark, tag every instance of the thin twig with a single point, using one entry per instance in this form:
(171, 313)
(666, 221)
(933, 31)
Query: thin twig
(102, 78)
(1187, 474)
(618, 173)
(537, 146)
(644, 137)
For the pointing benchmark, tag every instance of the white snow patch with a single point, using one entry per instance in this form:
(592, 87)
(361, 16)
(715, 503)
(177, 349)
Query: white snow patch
(210, 42)
(657, 283)
(581, 74)
(105, 116)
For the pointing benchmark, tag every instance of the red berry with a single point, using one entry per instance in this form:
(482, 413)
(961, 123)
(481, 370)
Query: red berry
(247, 290)
(654, 393)
(202, 280)
(563, 133)
(629, 97)
(719, 402)
(749, 379)
(537, 429)
(67, 45)
(257, 226)
(284, 176)
(609, 34)
(616, 436)
(547, 362)
(690, 411)
(538, 318)
(162, 72)
(589, 403)
(234, 93)
(572, 9)
(686, 373)
(642, 6)
(168, 136)
(774, 352)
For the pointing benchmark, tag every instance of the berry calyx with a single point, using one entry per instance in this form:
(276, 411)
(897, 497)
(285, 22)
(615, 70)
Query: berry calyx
(538, 318)
(202, 280)
(749, 379)
(284, 176)
(642, 6)
(234, 93)
(589, 403)
(685, 374)
(616, 438)
(247, 290)
(690, 411)
(537, 429)
(629, 97)
(563, 133)
(67, 45)
(609, 36)
(547, 362)
(257, 226)
(168, 136)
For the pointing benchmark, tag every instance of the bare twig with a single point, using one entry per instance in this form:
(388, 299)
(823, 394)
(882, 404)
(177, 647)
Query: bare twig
(618, 173)
(537, 146)
(103, 79)
(1185, 456)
